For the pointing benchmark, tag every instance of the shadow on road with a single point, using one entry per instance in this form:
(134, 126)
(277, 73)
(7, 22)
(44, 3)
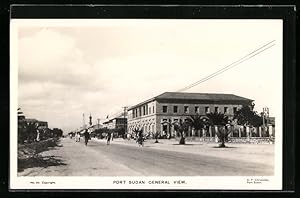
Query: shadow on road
(39, 161)
(186, 144)
(224, 147)
(29, 155)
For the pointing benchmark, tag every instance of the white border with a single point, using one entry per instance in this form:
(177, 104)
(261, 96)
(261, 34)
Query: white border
(193, 183)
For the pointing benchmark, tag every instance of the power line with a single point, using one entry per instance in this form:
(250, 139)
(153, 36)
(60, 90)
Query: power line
(241, 60)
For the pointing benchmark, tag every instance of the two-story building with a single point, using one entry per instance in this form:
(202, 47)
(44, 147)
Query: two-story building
(156, 114)
(116, 123)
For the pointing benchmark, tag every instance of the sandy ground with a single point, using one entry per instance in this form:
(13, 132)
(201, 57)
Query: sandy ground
(167, 158)
(256, 153)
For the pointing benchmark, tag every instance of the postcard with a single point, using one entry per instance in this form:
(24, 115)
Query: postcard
(146, 104)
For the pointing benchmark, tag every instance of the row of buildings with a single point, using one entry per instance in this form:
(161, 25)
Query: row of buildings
(156, 114)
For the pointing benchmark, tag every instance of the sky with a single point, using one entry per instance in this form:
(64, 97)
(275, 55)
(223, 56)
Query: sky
(70, 67)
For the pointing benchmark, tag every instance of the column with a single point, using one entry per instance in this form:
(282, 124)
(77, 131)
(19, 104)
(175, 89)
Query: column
(270, 130)
(259, 130)
(240, 132)
(248, 133)
(216, 131)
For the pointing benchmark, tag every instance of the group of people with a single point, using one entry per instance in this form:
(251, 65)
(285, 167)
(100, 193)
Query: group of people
(109, 137)
(77, 137)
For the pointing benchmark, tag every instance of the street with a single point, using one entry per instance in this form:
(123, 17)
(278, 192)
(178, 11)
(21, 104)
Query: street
(123, 158)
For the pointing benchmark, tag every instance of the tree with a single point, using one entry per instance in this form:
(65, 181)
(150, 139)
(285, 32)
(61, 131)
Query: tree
(220, 121)
(182, 128)
(247, 117)
(31, 131)
(137, 132)
(197, 122)
(57, 132)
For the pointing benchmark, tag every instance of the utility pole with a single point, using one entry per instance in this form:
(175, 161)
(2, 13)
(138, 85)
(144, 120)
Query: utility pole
(83, 121)
(90, 120)
(125, 108)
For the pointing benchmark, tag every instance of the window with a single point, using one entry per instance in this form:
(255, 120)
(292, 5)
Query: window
(153, 109)
(165, 109)
(186, 109)
(207, 110)
(149, 110)
(175, 109)
(196, 109)
(217, 109)
(234, 109)
(225, 109)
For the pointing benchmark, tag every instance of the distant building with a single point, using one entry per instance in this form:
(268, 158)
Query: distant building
(156, 114)
(95, 127)
(116, 123)
(41, 124)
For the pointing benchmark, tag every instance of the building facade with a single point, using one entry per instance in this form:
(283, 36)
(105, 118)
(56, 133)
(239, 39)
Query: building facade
(157, 114)
(116, 123)
(40, 124)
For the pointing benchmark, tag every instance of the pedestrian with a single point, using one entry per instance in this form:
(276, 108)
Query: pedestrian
(108, 138)
(86, 137)
(128, 136)
(78, 137)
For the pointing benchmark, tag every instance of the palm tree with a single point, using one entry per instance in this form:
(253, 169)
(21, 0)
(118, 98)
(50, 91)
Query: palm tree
(197, 122)
(182, 127)
(220, 121)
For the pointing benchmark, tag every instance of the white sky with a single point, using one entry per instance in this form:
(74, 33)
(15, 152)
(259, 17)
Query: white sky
(70, 67)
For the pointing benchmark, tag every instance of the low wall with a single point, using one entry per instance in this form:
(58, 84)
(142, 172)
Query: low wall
(252, 140)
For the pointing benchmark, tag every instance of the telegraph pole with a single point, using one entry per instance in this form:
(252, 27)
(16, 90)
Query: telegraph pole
(91, 122)
(83, 121)
(125, 108)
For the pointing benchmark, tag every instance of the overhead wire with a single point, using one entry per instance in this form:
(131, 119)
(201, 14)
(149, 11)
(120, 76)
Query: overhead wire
(235, 63)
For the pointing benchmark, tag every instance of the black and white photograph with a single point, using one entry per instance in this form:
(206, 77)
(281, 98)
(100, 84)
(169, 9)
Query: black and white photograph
(146, 104)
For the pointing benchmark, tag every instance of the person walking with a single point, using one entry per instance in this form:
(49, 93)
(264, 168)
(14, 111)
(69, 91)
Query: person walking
(108, 138)
(78, 137)
(86, 137)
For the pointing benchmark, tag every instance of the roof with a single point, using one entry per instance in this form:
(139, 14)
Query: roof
(110, 120)
(200, 96)
(195, 96)
(33, 120)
